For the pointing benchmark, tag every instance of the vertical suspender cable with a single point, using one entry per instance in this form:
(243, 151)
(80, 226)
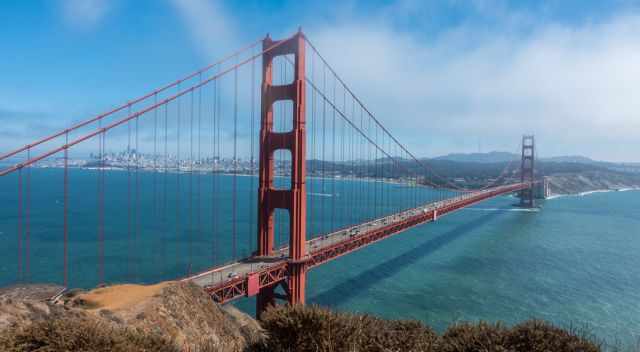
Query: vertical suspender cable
(384, 186)
(324, 219)
(313, 148)
(102, 207)
(99, 202)
(405, 182)
(66, 211)
(213, 174)
(27, 216)
(380, 172)
(366, 147)
(333, 160)
(199, 164)
(367, 157)
(235, 162)
(190, 199)
(218, 142)
(417, 189)
(358, 157)
(387, 172)
(136, 267)
(165, 201)
(103, 177)
(352, 148)
(155, 159)
(397, 180)
(129, 217)
(343, 163)
(156, 204)
(375, 177)
(178, 171)
(251, 203)
(20, 225)
(363, 163)
(403, 179)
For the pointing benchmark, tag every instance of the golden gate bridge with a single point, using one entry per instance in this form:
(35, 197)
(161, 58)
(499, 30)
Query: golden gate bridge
(241, 168)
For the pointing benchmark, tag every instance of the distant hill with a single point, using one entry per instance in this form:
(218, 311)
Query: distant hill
(491, 157)
(501, 157)
(571, 159)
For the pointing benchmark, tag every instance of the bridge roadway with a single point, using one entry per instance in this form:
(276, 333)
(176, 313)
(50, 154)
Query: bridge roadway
(245, 277)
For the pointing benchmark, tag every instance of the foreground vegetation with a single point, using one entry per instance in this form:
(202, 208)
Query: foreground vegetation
(81, 335)
(318, 329)
(306, 329)
(181, 317)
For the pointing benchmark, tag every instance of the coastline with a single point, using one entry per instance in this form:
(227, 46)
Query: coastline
(586, 193)
(560, 185)
(226, 173)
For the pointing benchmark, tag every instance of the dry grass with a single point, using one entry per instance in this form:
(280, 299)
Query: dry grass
(181, 316)
(467, 337)
(313, 328)
(118, 297)
(539, 336)
(316, 329)
(80, 334)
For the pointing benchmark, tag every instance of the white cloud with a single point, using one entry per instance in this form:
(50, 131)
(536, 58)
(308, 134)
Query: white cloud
(85, 13)
(210, 28)
(574, 87)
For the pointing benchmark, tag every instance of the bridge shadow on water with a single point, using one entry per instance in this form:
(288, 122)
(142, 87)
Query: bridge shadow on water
(369, 278)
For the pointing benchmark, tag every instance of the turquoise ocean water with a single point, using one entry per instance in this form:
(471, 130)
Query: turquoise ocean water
(575, 262)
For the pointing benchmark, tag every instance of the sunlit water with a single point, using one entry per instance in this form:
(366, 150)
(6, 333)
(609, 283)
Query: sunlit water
(576, 262)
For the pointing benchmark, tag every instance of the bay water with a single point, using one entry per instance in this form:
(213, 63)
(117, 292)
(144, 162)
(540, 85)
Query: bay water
(574, 262)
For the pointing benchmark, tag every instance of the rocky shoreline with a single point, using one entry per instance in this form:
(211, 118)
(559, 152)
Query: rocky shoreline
(591, 182)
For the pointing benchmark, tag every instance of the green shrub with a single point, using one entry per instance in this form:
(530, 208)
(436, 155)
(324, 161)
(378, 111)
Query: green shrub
(80, 334)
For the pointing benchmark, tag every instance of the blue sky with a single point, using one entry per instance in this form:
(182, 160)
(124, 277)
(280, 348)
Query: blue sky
(445, 76)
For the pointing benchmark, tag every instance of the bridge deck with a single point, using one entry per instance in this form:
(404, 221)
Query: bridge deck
(245, 277)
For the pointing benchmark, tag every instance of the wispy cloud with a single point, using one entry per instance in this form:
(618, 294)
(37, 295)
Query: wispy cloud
(571, 85)
(19, 126)
(211, 29)
(85, 14)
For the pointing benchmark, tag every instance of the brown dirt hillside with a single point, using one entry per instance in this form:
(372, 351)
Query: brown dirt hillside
(174, 311)
(181, 311)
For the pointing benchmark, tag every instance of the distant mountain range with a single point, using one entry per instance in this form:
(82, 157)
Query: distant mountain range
(491, 157)
(501, 157)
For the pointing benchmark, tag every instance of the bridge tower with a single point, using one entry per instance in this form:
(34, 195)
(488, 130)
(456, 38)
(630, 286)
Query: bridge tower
(294, 200)
(527, 170)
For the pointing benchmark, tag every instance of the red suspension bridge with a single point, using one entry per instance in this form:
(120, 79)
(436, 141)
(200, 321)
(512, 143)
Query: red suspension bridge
(240, 177)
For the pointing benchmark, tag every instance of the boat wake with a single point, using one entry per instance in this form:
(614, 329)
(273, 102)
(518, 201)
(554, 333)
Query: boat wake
(525, 210)
(320, 194)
